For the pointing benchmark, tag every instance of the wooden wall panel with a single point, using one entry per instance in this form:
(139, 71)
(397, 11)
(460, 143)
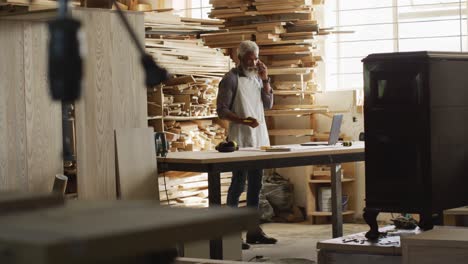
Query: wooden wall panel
(43, 116)
(127, 86)
(30, 123)
(13, 169)
(94, 130)
(114, 97)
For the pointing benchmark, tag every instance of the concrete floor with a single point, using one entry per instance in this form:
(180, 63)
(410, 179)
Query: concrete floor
(296, 242)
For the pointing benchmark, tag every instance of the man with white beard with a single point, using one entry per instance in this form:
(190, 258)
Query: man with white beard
(244, 93)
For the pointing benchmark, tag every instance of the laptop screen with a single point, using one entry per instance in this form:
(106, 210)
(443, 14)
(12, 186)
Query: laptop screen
(335, 129)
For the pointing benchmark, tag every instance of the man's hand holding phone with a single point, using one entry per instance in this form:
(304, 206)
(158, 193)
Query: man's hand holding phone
(262, 70)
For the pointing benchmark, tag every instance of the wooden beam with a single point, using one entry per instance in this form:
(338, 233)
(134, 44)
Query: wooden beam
(290, 132)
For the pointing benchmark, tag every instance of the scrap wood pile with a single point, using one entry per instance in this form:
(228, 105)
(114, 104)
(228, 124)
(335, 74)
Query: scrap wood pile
(188, 107)
(193, 135)
(190, 97)
(190, 189)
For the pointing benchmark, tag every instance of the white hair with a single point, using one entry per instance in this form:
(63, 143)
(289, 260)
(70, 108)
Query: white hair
(247, 46)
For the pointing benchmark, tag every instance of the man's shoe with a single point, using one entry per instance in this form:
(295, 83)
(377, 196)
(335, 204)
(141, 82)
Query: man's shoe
(245, 246)
(259, 237)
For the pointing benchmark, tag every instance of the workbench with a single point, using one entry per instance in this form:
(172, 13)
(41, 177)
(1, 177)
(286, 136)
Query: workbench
(213, 163)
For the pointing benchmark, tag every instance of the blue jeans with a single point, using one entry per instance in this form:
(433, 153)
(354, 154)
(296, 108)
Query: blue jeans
(238, 185)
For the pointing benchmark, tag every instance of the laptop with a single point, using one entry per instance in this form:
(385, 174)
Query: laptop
(334, 133)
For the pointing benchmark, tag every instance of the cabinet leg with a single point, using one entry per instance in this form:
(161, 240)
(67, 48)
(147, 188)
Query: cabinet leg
(370, 216)
(428, 220)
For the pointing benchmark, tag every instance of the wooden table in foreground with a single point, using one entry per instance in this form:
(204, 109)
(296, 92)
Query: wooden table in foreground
(110, 232)
(213, 163)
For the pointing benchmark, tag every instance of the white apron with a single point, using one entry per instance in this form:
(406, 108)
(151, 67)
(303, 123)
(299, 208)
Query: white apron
(248, 103)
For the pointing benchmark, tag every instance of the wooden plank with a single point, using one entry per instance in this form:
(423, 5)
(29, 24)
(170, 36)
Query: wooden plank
(287, 63)
(94, 128)
(13, 153)
(30, 126)
(138, 231)
(135, 164)
(129, 106)
(264, 51)
(114, 97)
(183, 118)
(43, 116)
(292, 85)
(293, 92)
(285, 70)
(277, 7)
(203, 21)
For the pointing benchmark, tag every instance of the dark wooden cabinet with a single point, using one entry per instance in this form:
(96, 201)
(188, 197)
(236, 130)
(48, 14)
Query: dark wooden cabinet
(416, 114)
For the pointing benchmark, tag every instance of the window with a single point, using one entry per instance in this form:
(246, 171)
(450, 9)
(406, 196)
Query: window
(388, 26)
(192, 8)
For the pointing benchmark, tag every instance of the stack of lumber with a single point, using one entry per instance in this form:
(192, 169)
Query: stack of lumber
(190, 189)
(194, 135)
(188, 57)
(286, 32)
(197, 70)
(173, 43)
(170, 25)
(189, 96)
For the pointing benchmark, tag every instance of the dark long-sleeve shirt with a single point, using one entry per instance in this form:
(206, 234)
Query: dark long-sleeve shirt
(227, 92)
